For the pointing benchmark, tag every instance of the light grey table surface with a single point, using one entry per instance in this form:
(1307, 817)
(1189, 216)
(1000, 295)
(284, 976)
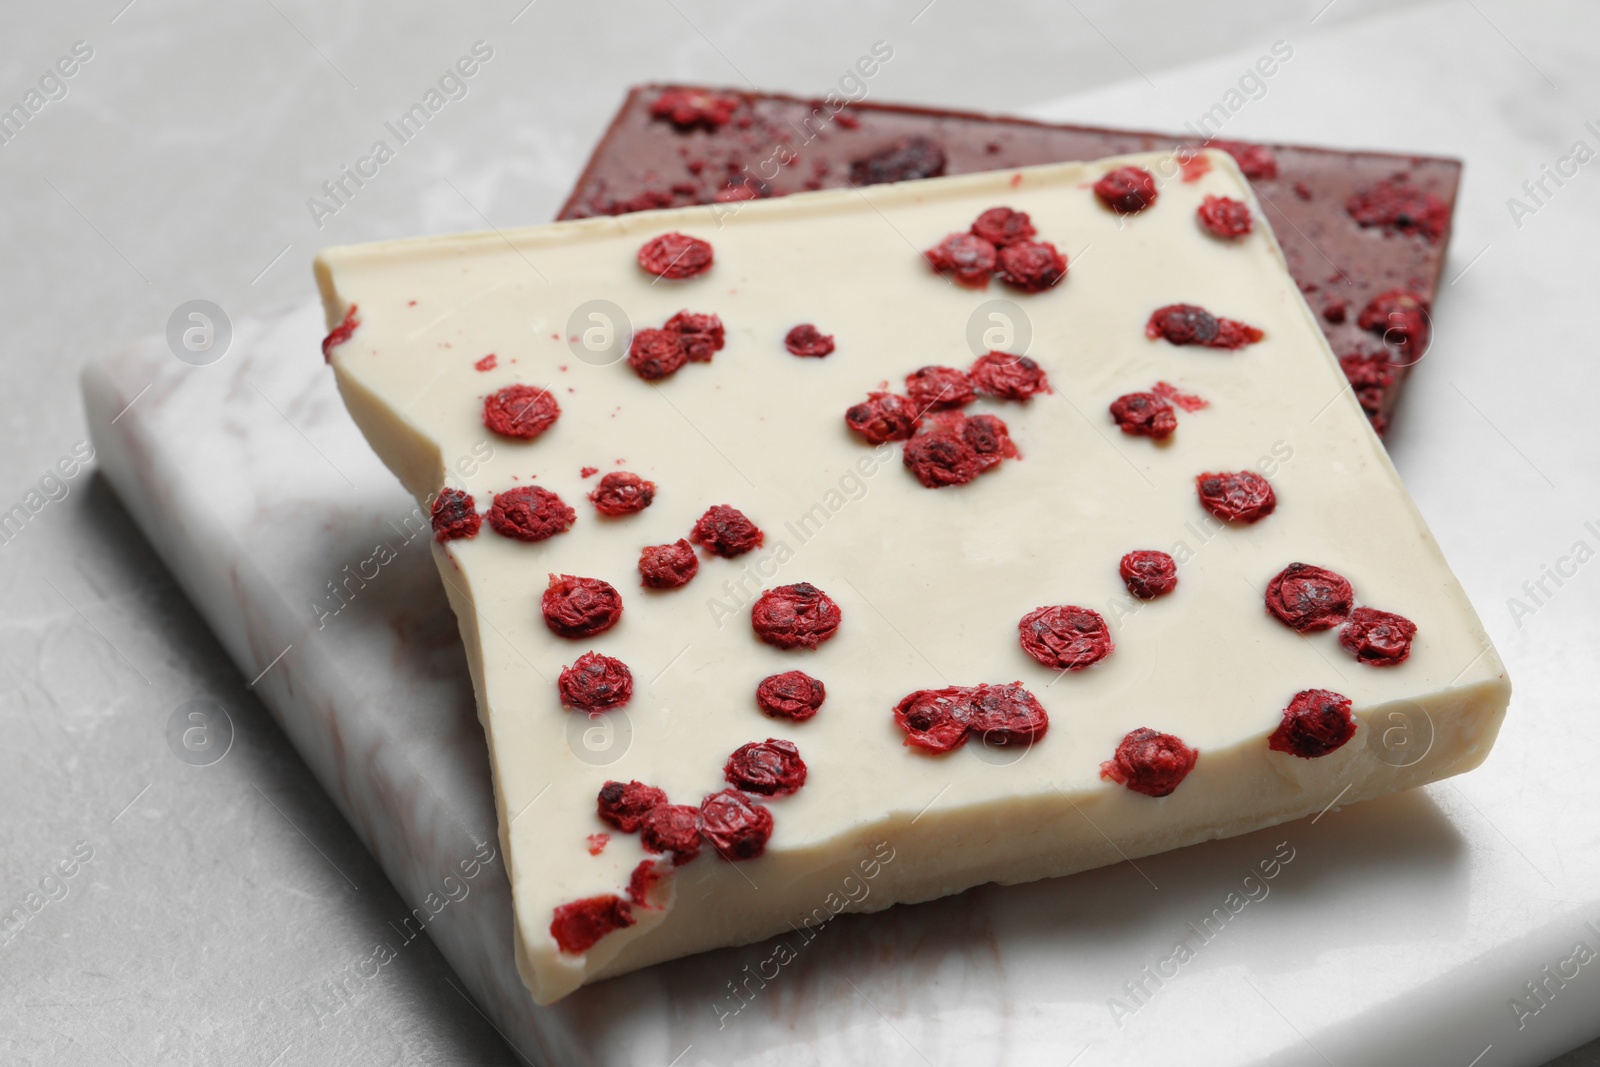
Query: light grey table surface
(220, 900)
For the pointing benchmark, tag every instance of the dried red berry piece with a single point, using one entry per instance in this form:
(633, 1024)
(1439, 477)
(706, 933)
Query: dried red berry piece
(673, 828)
(622, 493)
(340, 333)
(1224, 216)
(935, 720)
(455, 515)
(1150, 762)
(675, 256)
(1316, 722)
(1256, 162)
(487, 363)
(1008, 377)
(1001, 226)
(625, 804)
(792, 695)
(579, 924)
(941, 458)
(939, 388)
(1065, 637)
(1243, 496)
(595, 682)
(643, 881)
(1232, 334)
(1144, 415)
(698, 335)
(1401, 318)
(1190, 324)
(1172, 394)
(1307, 598)
(655, 354)
(1400, 207)
(737, 827)
(1148, 573)
(1369, 376)
(668, 566)
(580, 607)
(969, 260)
(1378, 638)
(520, 411)
(799, 615)
(530, 513)
(1127, 190)
(1031, 266)
(904, 160)
(598, 843)
(772, 768)
(688, 108)
(726, 531)
(806, 340)
(1006, 715)
(883, 417)
(989, 439)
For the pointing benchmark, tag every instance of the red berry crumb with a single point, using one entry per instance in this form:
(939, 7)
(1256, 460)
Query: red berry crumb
(655, 354)
(597, 843)
(1401, 318)
(1307, 598)
(625, 804)
(488, 362)
(1187, 401)
(1149, 574)
(520, 411)
(901, 161)
(667, 566)
(1006, 715)
(806, 340)
(792, 695)
(698, 335)
(1400, 207)
(530, 513)
(941, 458)
(622, 493)
(989, 439)
(1316, 722)
(736, 826)
(1224, 217)
(643, 881)
(1008, 377)
(1189, 324)
(675, 256)
(791, 616)
(454, 515)
(588, 472)
(1064, 637)
(1144, 415)
(1150, 762)
(578, 925)
(1378, 638)
(726, 532)
(1001, 226)
(883, 417)
(1030, 266)
(1255, 161)
(1335, 311)
(595, 683)
(1127, 190)
(340, 333)
(772, 768)
(673, 828)
(1243, 496)
(969, 260)
(580, 607)
(939, 388)
(688, 108)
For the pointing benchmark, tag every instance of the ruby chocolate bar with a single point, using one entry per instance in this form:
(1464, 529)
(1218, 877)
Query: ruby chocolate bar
(1364, 233)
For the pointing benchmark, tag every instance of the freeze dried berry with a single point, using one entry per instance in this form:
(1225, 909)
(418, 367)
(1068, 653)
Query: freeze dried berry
(792, 695)
(1256, 162)
(454, 515)
(1316, 722)
(580, 607)
(1378, 638)
(1065, 637)
(726, 532)
(806, 340)
(1150, 762)
(598, 843)
(643, 881)
(883, 417)
(689, 108)
(340, 333)
(1008, 377)
(625, 804)
(1190, 324)
(668, 566)
(673, 828)
(939, 388)
(622, 493)
(941, 458)
(675, 256)
(1307, 598)
(1400, 207)
(1127, 190)
(1400, 317)
(1172, 394)
(487, 363)
(935, 720)
(1369, 376)
(530, 513)
(595, 683)
(969, 260)
(520, 411)
(1224, 216)
(791, 616)
(904, 160)
(1001, 226)
(698, 335)
(772, 768)
(654, 354)
(579, 924)
(1148, 573)
(1243, 496)
(989, 439)
(736, 826)
(1031, 266)
(1006, 715)
(1144, 415)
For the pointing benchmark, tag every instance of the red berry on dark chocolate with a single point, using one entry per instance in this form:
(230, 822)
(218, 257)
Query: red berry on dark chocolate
(884, 417)
(969, 260)
(1307, 598)
(625, 804)
(655, 354)
(1378, 638)
(579, 924)
(1255, 161)
(1065, 637)
(1148, 573)
(1008, 377)
(580, 607)
(688, 108)
(1400, 207)
(520, 411)
(454, 515)
(1400, 317)
(668, 566)
(806, 340)
(1127, 190)
(772, 768)
(1144, 415)
(1031, 266)
(902, 161)
(939, 388)
(675, 256)
(736, 826)
(530, 513)
(1001, 226)
(1369, 376)
(1150, 762)
(791, 616)
(1316, 722)
(673, 828)
(698, 335)
(622, 493)
(726, 532)
(595, 683)
(1243, 496)
(792, 695)
(1224, 216)
(941, 458)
